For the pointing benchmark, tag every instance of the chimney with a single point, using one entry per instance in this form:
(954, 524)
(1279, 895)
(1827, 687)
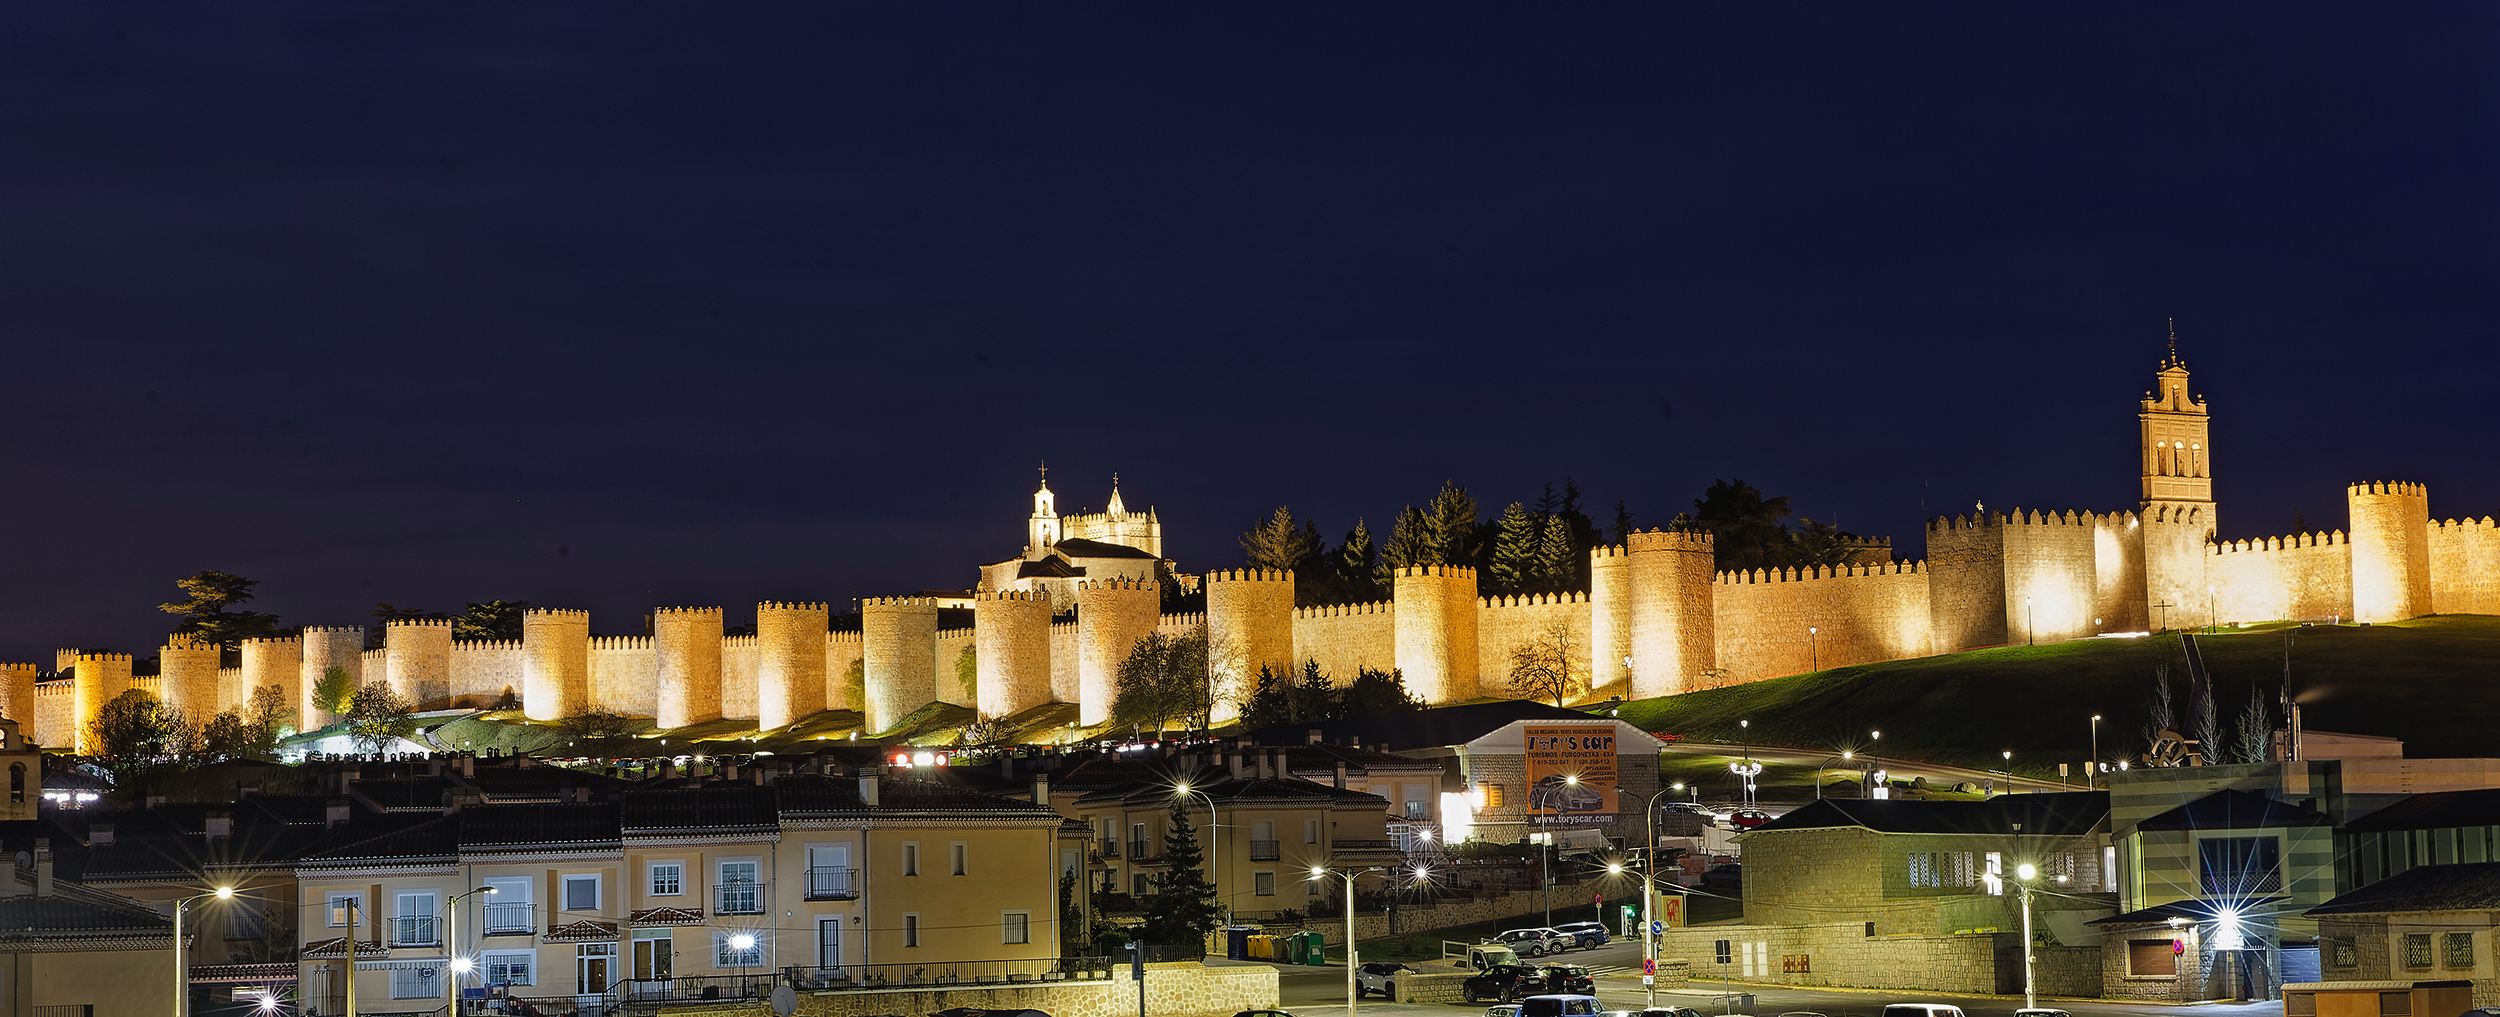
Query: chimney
(1235, 760)
(868, 784)
(1340, 776)
(433, 765)
(468, 764)
(755, 775)
(668, 769)
(1313, 737)
(334, 813)
(99, 834)
(43, 866)
(245, 789)
(1041, 789)
(729, 772)
(219, 825)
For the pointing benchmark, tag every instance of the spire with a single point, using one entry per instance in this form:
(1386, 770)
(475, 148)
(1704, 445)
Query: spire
(1046, 476)
(2173, 359)
(1116, 507)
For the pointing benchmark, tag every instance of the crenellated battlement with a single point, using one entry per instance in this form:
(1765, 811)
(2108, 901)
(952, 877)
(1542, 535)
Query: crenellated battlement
(1183, 620)
(1531, 600)
(485, 645)
(745, 642)
(1015, 595)
(334, 630)
(1118, 584)
(1607, 551)
(795, 605)
(1442, 571)
(2388, 488)
(1656, 539)
(620, 642)
(898, 603)
(1755, 577)
(2469, 523)
(101, 658)
(2322, 538)
(179, 642)
(415, 623)
(556, 612)
(1250, 576)
(946, 634)
(853, 636)
(697, 613)
(273, 641)
(2018, 517)
(1337, 610)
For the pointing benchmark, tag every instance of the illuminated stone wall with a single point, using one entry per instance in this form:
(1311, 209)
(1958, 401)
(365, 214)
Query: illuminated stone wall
(1345, 638)
(1505, 625)
(417, 661)
(2391, 574)
(1435, 632)
(1011, 630)
(1858, 613)
(2465, 567)
(789, 662)
(624, 675)
(555, 663)
(686, 665)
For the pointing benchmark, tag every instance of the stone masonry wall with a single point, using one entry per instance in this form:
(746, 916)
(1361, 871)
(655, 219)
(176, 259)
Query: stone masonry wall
(1505, 624)
(1861, 613)
(1346, 638)
(2303, 577)
(2465, 567)
(482, 671)
(1183, 989)
(624, 675)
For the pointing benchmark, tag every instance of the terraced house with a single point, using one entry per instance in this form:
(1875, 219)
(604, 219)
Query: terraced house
(683, 889)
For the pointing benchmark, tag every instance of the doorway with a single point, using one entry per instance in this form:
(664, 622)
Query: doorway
(594, 969)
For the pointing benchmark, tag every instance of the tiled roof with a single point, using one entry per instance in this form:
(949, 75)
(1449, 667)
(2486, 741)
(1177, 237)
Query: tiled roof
(665, 916)
(2473, 886)
(75, 912)
(545, 826)
(2193, 911)
(392, 794)
(584, 931)
(1079, 547)
(1444, 725)
(810, 794)
(721, 809)
(2063, 814)
(1048, 568)
(336, 948)
(2234, 810)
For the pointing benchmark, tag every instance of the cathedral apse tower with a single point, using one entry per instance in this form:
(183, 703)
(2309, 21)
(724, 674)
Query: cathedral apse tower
(2178, 509)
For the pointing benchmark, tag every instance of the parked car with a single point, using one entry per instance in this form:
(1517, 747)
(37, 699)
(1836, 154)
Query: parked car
(1585, 934)
(1502, 1010)
(1747, 819)
(1534, 942)
(1922, 1010)
(1558, 1006)
(1380, 977)
(1569, 978)
(2041, 1011)
(1485, 955)
(1726, 877)
(1661, 1011)
(1503, 982)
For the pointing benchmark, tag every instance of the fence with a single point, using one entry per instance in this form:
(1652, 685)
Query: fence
(827, 883)
(507, 919)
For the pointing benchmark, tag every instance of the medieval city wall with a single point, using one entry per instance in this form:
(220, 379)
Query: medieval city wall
(417, 661)
(685, 665)
(1345, 638)
(1111, 616)
(1673, 611)
(789, 661)
(1965, 582)
(485, 670)
(1063, 651)
(1249, 625)
(318, 650)
(2465, 567)
(2175, 540)
(737, 677)
(555, 663)
(1610, 620)
(188, 677)
(17, 694)
(1787, 621)
(2302, 577)
(951, 644)
(280, 662)
(2050, 588)
(233, 694)
(1436, 632)
(1011, 635)
(900, 652)
(99, 677)
(55, 715)
(624, 675)
(2391, 575)
(1505, 625)
(842, 650)
(2118, 601)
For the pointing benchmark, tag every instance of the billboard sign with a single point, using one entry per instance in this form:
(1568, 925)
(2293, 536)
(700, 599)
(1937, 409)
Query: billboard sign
(1571, 773)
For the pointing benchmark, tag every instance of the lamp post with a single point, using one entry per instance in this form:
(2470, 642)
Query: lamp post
(1183, 788)
(1813, 657)
(2030, 623)
(182, 965)
(1319, 872)
(2023, 875)
(2092, 772)
(457, 965)
(1844, 756)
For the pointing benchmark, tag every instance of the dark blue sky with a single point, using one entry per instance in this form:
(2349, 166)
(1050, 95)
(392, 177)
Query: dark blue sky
(627, 305)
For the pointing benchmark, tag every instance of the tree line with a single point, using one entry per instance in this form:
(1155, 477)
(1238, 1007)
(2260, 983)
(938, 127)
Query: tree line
(1527, 547)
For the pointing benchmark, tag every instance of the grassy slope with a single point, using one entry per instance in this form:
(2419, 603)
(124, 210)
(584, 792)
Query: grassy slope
(2421, 680)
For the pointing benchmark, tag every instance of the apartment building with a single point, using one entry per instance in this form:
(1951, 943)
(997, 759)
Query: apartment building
(682, 884)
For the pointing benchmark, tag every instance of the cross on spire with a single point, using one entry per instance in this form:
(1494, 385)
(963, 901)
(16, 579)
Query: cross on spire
(1045, 473)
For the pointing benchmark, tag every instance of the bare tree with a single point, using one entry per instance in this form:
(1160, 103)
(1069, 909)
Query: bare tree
(1549, 666)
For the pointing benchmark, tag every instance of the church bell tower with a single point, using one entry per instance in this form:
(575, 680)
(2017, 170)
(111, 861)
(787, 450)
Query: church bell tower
(1041, 532)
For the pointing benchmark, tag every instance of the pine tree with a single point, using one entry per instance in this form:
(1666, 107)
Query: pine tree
(1372, 693)
(1270, 702)
(1356, 567)
(1456, 515)
(1559, 556)
(1622, 530)
(1513, 562)
(1313, 698)
(1276, 543)
(1184, 907)
(1415, 540)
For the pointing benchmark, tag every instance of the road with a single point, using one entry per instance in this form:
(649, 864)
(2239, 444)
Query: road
(1900, 769)
(1320, 992)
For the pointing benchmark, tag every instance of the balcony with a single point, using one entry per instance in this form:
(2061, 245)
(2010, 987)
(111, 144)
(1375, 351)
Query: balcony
(1107, 848)
(741, 899)
(1139, 850)
(415, 930)
(1265, 851)
(513, 919)
(827, 883)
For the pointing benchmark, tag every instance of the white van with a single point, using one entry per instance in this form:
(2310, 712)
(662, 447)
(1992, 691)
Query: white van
(1558, 1006)
(1922, 1010)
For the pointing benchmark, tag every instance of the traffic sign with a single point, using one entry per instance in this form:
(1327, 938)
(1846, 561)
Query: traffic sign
(1598, 899)
(1657, 928)
(1649, 966)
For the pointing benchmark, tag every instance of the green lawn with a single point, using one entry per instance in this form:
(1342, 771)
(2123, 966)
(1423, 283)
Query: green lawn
(2420, 680)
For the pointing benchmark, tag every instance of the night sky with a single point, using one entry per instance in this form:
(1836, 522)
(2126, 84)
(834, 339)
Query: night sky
(624, 305)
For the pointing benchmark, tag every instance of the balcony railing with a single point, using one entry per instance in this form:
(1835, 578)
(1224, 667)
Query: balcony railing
(415, 930)
(828, 883)
(1137, 850)
(1265, 851)
(513, 919)
(1107, 848)
(741, 899)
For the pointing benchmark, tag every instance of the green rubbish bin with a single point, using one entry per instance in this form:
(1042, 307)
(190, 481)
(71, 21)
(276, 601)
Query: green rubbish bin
(1289, 949)
(1314, 947)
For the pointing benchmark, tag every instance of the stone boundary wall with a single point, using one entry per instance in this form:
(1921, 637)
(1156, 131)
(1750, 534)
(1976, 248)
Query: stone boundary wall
(1346, 638)
(950, 647)
(1432, 984)
(1504, 624)
(2465, 567)
(1842, 955)
(2302, 577)
(739, 657)
(1863, 613)
(624, 675)
(1185, 989)
(483, 670)
(1445, 914)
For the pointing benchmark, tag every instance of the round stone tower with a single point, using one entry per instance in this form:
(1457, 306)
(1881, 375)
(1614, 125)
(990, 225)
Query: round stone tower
(899, 656)
(1249, 626)
(1435, 631)
(1674, 635)
(2391, 570)
(1111, 616)
(1011, 639)
(417, 654)
(279, 661)
(326, 647)
(789, 662)
(100, 677)
(1610, 618)
(17, 693)
(555, 663)
(687, 642)
(189, 677)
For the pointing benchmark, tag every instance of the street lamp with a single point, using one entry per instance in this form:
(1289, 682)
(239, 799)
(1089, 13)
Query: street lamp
(182, 967)
(2030, 623)
(1844, 756)
(1183, 788)
(2092, 772)
(451, 948)
(1319, 872)
(1813, 658)
(2023, 875)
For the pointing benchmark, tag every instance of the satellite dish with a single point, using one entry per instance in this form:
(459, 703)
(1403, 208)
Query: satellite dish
(784, 999)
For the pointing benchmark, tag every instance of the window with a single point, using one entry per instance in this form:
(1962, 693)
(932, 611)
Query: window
(1924, 871)
(1963, 872)
(668, 879)
(1310, 831)
(510, 967)
(2417, 949)
(1994, 878)
(243, 918)
(2460, 950)
(1263, 884)
(413, 921)
(911, 930)
(2343, 952)
(1137, 883)
(1492, 794)
(1418, 801)
(2240, 866)
(1018, 927)
(911, 858)
(2151, 958)
(416, 983)
(507, 910)
(728, 954)
(17, 782)
(2109, 869)
(739, 891)
(961, 855)
(581, 893)
(345, 908)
